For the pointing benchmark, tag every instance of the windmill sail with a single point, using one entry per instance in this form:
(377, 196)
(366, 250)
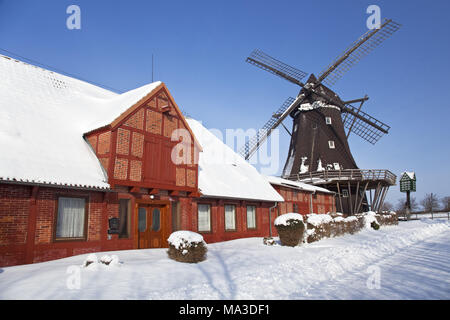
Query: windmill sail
(252, 145)
(276, 67)
(363, 125)
(358, 50)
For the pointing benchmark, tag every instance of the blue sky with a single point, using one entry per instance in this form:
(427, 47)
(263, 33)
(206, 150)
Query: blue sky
(200, 48)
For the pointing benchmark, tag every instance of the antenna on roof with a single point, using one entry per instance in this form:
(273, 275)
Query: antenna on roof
(152, 67)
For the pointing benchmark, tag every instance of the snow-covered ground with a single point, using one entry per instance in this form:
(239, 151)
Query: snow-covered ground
(408, 261)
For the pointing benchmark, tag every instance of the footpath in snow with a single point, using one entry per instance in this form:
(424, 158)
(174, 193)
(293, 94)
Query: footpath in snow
(408, 261)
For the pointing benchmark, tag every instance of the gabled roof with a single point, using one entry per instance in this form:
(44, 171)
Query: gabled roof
(410, 174)
(43, 116)
(225, 174)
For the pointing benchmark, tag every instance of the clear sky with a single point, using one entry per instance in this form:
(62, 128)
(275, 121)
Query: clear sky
(200, 48)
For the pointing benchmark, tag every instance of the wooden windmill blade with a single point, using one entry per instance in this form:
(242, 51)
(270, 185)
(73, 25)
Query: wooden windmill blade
(358, 50)
(276, 67)
(363, 125)
(252, 145)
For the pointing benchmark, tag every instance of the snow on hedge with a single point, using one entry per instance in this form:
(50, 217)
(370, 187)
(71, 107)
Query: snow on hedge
(184, 239)
(318, 219)
(284, 219)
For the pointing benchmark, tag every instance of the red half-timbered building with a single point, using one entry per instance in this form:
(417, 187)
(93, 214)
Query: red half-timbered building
(85, 170)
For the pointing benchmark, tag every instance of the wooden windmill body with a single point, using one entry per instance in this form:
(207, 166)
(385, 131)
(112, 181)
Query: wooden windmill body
(319, 152)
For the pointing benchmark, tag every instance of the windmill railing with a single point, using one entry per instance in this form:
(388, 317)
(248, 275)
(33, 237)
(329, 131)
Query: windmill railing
(326, 175)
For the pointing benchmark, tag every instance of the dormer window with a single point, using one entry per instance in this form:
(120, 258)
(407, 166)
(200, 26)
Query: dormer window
(328, 120)
(331, 144)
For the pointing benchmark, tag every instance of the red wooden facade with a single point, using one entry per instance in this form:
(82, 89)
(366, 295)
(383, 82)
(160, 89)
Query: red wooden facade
(135, 152)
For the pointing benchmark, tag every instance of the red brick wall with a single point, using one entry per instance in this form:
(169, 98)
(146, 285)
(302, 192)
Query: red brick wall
(16, 214)
(14, 210)
(189, 219)
(321, 202)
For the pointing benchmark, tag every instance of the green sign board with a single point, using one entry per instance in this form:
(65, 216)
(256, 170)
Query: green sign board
(408, 182)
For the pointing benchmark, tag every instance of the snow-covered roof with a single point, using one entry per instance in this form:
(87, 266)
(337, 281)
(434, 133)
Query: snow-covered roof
(43, 116)
(410, 174)
(223, 173)
(295, 184)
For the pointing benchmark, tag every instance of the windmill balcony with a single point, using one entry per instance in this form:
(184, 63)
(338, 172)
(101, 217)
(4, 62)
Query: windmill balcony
(332, 176)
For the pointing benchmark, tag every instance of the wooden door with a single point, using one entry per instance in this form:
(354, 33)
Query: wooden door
(153, 226)
(152, 164)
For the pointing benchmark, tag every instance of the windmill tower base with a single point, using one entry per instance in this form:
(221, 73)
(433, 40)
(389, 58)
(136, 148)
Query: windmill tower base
(357, 190)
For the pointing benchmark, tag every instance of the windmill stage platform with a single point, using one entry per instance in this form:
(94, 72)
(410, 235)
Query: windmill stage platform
(351, 184)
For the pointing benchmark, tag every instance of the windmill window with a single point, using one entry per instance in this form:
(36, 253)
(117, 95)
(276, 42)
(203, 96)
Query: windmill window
(331, 144)
(295, 128)
(345, 193)
(328, 120)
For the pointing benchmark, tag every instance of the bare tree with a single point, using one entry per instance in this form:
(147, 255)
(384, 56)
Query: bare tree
(401, 205)
(445, 203)
(387, 206)
(430, 203)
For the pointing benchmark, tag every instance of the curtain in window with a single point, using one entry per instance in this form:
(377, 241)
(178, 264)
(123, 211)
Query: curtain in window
(204, 217)
(230, 217)
(70, 218)
(251, 217)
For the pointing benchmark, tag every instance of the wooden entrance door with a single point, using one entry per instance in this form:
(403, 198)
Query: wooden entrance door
(153, 226)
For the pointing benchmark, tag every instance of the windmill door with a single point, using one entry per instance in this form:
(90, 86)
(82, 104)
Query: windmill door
(153, 226)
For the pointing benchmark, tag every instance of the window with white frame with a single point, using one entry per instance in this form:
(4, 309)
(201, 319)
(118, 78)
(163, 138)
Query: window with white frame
(328, 120)
(230, 217)
(204, 218)
(345, 193)
(70, 223)
(331, 144)
(251, 217)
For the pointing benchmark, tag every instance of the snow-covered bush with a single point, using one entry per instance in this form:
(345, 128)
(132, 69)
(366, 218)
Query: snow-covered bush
(187, 246)
(318, 227)
(370, 220)
(110, 260)
(388, 218)
(268, 241)
(107, 260)
(91, 259)
(290, 228)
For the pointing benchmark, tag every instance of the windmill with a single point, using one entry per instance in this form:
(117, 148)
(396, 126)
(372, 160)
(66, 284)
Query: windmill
(319, 152)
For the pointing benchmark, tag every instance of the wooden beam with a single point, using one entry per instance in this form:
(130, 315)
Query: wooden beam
(31, 228)
(174, 193)
(350, 197)
(153, 191)
(362, 197)
(340, 198)
(135, 190)
(356, 198)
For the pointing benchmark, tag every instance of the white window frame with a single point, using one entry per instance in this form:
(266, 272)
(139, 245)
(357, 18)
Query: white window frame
(71, 221)
(331, 144)
(230, 217)
(328, 120)
(206, 226)
(251, 223)
(344, 193)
